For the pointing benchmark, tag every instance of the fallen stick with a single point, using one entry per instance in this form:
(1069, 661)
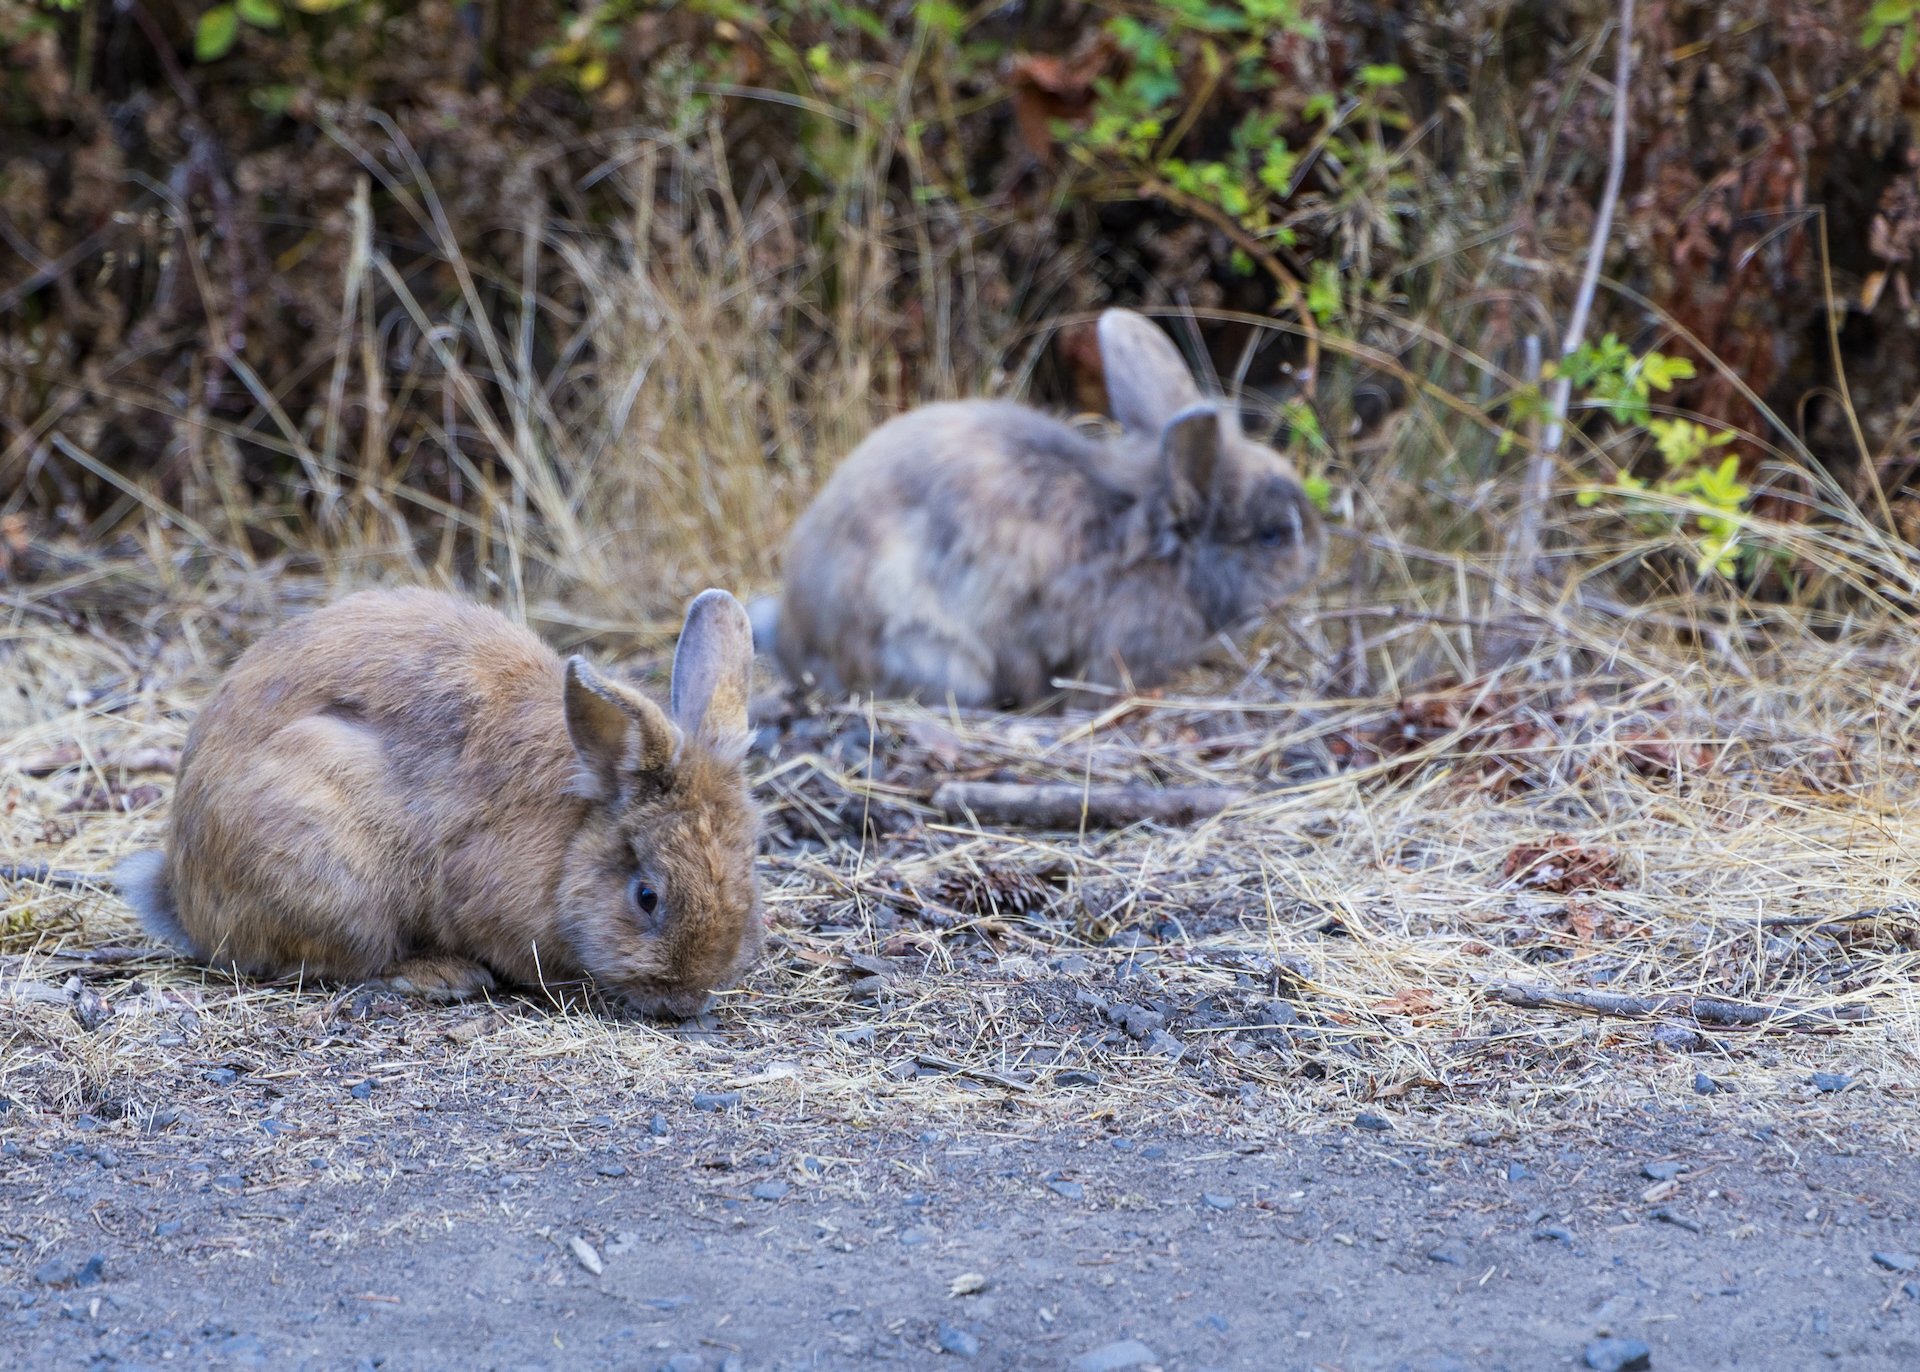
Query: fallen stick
(132, 760)
(1702, 1009)
(53, 876)
(1901, 911)
(1062, 805)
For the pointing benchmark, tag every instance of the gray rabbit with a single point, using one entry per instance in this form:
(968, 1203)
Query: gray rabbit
(979, 549)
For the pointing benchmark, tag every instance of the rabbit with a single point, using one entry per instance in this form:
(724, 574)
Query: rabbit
(976, 550)
(407, 788)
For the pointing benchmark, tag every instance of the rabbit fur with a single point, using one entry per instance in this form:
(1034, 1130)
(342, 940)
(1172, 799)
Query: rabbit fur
(406, 787)
(978, 551)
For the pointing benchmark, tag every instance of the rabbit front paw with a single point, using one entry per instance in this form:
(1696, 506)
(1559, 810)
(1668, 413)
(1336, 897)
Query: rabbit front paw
(439, 978)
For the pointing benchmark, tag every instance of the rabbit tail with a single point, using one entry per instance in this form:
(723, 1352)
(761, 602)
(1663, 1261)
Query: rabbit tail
(764, 614)
(142, 882)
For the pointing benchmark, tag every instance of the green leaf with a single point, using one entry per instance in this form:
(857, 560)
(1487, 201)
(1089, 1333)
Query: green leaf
(1320, 491)
(1323, 291)
(213, 36)
(262, 14)
(1662, 371)
(1382, 77)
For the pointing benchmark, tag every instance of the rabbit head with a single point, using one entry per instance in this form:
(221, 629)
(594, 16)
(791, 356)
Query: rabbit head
(1232, 508)
(658, 893)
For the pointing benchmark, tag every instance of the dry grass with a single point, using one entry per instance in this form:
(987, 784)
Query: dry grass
(1434, 751)
(926, 972)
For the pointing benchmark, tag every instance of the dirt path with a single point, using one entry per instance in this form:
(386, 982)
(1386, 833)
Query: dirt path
(723, 1245)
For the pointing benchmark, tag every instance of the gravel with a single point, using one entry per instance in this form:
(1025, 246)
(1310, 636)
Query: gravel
(957, 1341)
(1618, 1355)
(1113, 1357)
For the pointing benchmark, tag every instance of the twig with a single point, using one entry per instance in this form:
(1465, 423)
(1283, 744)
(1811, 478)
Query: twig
(52, 876)
(1904, 910)
(1540, 467)
(956, 1068)
(132, 760)
(1063, 805)
(1702, 1009)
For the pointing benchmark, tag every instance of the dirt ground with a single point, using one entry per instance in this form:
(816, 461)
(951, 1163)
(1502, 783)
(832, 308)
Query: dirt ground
(686, 1239)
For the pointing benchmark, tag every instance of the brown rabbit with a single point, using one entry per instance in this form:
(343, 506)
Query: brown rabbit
(978, 550)
(407, 787)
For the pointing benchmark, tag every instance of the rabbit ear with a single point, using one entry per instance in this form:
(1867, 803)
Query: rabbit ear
(1148, 382)
(713, 670)
(1190, 449)
(617, 733)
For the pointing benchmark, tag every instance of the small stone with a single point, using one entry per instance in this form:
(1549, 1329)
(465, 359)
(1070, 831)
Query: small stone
(1557, 1232)
(1216, 1322)
(361, 1090)
(1662, 1171)
(967, 1284)
(769, 1190)
(1911, 1290)
(1166, 1045)
(72, 1272)
(611, 1169)
(1517, 1171)
(715, 1100)
(1114, 1357)
(1830, 1081)
(955, 1340)
(1366, 1119)
(1215, 1201)
(684, 1362)
(1076, 1077)
(1138, 1021)
(1447, 1253)
(584, 1254)
(1276, 1014)
(230, 1181)
(221, 1076)
(1071, 1190)
(1618, 1355)
(915, 1236)
(1898, 1262)
(1678, 1037)
(1704, 1085)
(657, 1126)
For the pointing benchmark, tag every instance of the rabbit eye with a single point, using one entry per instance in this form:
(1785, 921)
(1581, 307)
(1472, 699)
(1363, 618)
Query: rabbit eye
(1276, 537)
(642, 896)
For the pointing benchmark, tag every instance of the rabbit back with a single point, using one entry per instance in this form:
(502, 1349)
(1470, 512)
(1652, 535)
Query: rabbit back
(347, 796)
(939, 557)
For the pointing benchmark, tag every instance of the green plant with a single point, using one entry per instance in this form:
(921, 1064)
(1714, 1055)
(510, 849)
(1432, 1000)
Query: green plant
(1891, 17)
(219, 28)
(1699, 490)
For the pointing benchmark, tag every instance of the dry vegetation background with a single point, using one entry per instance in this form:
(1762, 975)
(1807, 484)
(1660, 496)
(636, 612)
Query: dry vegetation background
(572, 306)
